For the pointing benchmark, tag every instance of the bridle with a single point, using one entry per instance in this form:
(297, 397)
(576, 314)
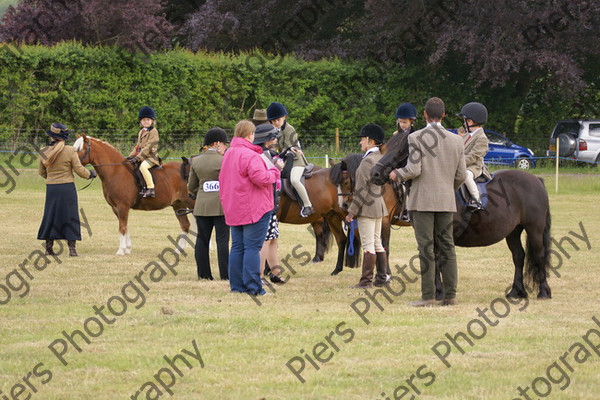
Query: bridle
(88, 150)
(351, 187)
(87, 154)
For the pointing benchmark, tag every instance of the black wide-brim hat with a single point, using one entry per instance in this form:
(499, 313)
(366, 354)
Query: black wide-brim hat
(264, 133)
(58, 131)
(374, 132)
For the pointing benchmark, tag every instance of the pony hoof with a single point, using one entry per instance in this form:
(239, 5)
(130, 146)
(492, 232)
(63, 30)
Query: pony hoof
(335, 272)
(128, 251)
(514, 294)
(316, 260)
(120, 252)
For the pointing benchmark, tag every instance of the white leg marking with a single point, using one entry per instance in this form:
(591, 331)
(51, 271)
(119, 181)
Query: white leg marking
(122, 245)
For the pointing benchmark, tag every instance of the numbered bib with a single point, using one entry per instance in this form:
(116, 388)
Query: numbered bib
(211, 186)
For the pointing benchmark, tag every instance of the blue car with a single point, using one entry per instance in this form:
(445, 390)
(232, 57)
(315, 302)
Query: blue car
(503, 151)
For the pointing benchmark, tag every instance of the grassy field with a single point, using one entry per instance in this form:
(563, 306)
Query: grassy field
(309, 322)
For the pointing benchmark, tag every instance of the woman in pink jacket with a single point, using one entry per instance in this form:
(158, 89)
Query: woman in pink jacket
(246, 192)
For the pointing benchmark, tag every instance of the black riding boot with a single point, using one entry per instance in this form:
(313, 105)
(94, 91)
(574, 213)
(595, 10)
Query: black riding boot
(49, 245)
(72, 251)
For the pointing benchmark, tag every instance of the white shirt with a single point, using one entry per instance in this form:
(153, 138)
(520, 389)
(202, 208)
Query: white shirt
(371, 150)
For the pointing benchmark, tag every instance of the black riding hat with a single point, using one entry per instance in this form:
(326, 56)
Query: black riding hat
(406, 111)
(146, 112)
(374, 132)
(215, 134)
(276, 110)
(475, 111)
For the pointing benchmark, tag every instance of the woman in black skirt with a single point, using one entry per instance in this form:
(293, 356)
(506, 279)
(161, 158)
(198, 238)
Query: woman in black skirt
(61, 214)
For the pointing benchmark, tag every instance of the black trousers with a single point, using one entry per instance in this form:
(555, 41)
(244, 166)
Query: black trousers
(205, 227)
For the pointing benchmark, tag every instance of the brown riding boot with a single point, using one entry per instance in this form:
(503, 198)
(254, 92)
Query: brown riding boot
(368, 268)
(382, 277)
(49, 247)
(72, 251)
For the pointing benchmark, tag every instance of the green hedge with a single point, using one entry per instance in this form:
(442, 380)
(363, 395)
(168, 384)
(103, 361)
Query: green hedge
(102, 88)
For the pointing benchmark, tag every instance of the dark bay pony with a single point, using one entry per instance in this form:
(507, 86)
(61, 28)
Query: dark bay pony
(121, 191)
(393, 202)
(517, 202)
(323, 187)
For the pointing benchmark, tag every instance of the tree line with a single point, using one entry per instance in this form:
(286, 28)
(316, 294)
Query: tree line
(530, 61)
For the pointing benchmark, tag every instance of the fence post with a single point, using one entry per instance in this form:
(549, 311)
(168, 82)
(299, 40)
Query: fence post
(337, 139)
(326, 160)
(557, 162)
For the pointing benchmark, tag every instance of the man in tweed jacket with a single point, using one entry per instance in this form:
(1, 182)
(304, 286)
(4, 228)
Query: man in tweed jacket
(436, 166)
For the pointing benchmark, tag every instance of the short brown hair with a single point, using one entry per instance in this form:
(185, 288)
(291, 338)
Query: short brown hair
(435, 108)
(243, 129)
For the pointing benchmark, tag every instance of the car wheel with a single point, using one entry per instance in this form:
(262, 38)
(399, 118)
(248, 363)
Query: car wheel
(523, 163)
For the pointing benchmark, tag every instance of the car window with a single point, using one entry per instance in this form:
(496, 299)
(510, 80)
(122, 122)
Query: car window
(595, 130)
(495, 139)
(571, 128)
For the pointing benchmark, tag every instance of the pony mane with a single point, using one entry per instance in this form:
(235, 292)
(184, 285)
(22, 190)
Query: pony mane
(398, 146)
(335, 173)
(79, 144)
(352, 162)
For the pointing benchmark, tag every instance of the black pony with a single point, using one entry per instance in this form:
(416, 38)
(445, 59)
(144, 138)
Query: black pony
(517, 201)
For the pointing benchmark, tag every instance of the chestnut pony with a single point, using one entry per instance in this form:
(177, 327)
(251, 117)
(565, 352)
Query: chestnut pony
(121, 191)
(324, 190)
(517, 202)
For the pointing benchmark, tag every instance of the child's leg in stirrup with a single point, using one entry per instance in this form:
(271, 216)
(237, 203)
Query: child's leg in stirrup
(472, 187)
(144, 169)
(295, 176)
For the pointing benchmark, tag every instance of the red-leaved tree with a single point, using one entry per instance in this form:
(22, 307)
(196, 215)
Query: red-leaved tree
(133, 24)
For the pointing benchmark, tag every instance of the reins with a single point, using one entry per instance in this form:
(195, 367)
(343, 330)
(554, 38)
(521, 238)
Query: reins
(184, 211)
(351, 227)
(86, 186)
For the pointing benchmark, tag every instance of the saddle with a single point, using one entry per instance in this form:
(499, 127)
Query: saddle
(139, 179)
(288, 189)
(463, 195)
(400, 214)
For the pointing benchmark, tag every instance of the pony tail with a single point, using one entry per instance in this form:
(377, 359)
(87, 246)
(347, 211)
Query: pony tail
(537, 265)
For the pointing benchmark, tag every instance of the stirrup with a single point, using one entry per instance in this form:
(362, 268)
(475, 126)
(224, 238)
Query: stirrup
(474, 206)
(306, 211)
(149, 193)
